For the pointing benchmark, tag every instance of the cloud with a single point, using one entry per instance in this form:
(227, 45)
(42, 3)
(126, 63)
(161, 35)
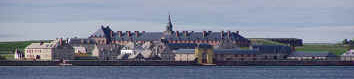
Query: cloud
(312, 20)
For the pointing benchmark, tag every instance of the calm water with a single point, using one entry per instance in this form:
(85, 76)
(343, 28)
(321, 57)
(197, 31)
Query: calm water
(180, 72)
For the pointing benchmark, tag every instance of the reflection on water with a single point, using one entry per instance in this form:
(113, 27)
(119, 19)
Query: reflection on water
(178, 72)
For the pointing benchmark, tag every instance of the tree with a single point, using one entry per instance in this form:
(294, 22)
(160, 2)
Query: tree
(345, 41)
(351, 44)
(2, 57)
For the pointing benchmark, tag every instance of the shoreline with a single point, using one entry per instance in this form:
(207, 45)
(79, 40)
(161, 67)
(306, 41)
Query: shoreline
(176, 63)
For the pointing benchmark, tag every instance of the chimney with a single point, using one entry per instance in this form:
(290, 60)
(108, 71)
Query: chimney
(61, 41)
(111, 34)
(136, 33)
(204, 34)
(119, 33)
(293, 49)
(222, 34)
(237, 32)
(128, 33)
(177, 33)
(41, 43)
(229, 34)
(185, 33)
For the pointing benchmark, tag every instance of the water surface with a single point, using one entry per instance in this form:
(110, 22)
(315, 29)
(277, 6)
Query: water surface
(177, 72)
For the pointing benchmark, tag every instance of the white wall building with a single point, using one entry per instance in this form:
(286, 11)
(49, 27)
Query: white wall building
(348, 56)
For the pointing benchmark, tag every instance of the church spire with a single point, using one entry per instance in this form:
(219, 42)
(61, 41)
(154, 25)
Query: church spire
(169, 27)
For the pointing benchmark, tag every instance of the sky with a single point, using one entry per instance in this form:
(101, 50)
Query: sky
(314, 21)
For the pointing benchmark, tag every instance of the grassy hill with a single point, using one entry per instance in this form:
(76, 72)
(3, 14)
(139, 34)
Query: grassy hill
(265, 42)
(337, 49)
(7, 48)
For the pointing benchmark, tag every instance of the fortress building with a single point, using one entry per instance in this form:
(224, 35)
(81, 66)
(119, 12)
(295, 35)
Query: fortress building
(105, 35)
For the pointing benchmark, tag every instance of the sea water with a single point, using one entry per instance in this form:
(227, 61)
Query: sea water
(176, 72)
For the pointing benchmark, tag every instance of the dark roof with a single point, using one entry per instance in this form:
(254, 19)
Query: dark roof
(218, 51)
(209, 36)
(151, 36)
(81, 41)
(312, 54)
(182, 45)
(235, 51)
(187, 45)
(102, 32)
(147, 36)
(109, 48)
(272, 48)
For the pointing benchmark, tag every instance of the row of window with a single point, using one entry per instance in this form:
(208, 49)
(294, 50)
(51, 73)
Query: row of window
(246, 55)
(184, 41)
(34, 50)
(228, 59)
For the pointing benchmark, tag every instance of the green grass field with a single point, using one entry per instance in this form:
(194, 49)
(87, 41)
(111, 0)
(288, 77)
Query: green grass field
(265, 42)
(7, 48)
(336, 49)
(333, 48)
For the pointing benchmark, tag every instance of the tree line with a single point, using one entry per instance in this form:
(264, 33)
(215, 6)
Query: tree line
(348, 42)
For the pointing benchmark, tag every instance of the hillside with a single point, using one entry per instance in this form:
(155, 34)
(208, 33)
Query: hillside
(7, 48)
(334, 48)
(337, 49)
(264, 42)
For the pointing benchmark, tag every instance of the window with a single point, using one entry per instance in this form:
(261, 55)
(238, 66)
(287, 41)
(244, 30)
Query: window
(275, 57)
(254, 59)
(228, 59)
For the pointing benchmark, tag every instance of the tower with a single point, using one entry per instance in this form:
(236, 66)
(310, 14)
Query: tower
(169, 27)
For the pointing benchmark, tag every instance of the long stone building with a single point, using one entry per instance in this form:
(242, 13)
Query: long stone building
(257, 52)
(105, 35)
(55, 50)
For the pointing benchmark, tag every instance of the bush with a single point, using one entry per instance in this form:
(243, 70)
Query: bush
(2, 57)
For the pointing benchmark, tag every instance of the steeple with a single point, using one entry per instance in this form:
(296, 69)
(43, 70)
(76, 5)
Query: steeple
(169, 27)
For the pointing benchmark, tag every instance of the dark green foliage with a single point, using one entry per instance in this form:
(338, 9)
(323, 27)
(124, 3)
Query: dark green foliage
(349, 43)
(345, 41)
(2, 57)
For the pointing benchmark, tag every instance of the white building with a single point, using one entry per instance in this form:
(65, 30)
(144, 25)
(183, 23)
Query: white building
(130, 52)
(312, 56)
(348, 56)
(19, 55)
